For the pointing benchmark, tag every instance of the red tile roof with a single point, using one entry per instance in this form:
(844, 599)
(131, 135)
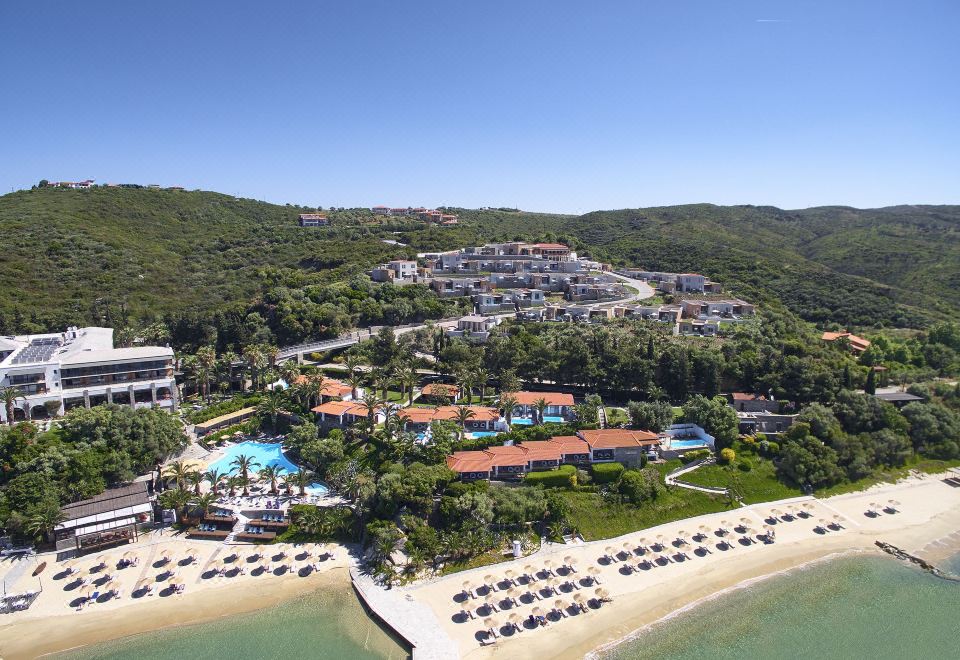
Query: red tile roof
(744, 396)
(616, 438)
(552, 398)
(440, 389)
(856, 343)
(427, 415)
(338, 408)
(470, 461)
(570, 444)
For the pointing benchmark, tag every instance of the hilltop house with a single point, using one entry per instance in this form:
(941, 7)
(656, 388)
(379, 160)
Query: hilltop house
(313, 220)
(473, 327)
(744, 402)
(857, 344)
(397, 271)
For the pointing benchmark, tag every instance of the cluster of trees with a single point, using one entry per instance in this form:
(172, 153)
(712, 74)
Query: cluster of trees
(89, 451)
(858, 434)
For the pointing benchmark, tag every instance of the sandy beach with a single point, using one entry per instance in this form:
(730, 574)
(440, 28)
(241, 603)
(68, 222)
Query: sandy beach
(926, 522)
(53, 623)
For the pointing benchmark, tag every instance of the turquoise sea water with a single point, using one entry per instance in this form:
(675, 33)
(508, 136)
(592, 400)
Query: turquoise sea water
(864, 607)
(327, 624)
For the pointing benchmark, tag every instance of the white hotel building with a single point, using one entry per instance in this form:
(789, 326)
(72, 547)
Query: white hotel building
(80, 367)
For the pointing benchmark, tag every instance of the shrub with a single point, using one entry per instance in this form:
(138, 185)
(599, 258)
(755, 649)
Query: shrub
(583, 477)
(563, 477)
(744, 465)
(769, 448)
(640, 486)
(604, 473)
(696, 454)
(727, 456)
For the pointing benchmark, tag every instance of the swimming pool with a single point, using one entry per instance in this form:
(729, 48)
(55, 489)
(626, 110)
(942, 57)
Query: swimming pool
(482, 434)
(696, 443)
(527, 421)
(263, 453)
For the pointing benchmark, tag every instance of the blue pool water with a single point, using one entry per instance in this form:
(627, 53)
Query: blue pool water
(264, 453)
(687, 444)
(527, 421)
(483, 434)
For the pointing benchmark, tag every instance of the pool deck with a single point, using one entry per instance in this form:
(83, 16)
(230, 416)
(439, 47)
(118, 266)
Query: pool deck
(413, 621)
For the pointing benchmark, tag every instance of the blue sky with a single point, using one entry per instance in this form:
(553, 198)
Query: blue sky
(558, 106)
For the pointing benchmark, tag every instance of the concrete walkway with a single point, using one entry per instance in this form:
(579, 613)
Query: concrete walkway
(671, 479)
(413, 621)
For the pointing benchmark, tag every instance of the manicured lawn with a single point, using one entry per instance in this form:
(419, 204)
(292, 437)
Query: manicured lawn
(758, 485)
(616, 416)
(596, 518)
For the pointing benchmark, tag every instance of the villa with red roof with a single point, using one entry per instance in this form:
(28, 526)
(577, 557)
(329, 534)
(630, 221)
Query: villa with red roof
(857, 344)
(559, 404)
(596, 446)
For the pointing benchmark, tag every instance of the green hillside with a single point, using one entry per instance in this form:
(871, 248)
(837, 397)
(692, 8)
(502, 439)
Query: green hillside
(131, 256)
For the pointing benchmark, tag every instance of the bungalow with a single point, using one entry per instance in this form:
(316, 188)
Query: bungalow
(698, 328)
(559, 404)
(342, 414)
(442, 392)
(857, 344)
(744, 402)
(513, 461)
(473, 328)
(622, 445)
(398, 269)
(484, 418)
(332, 389)
(731, 309)
(751, 423)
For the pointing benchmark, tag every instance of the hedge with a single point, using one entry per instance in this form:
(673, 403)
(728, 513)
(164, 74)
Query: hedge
(562, 477)
(604, 473)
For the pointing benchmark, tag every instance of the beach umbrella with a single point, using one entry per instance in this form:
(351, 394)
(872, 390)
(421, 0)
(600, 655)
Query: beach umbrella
(490, 581)
(580, 600)
(609, 551)
(705, 529)
(628, 547)
(130, 555)
(602, 593)
(569, 561)
(88, 591)
(530, 571)
(144, 583)
(511, 575)
(492, 602)
(537, 611)
(550, 564)
(256, 554)
(808, 506)
(176, 583)
(745, 521)
(593, 570)
(491, 624)
(560, 605)
(682, 534)
(515, 620)
(893, 502)
(514, 593)
(468, 587)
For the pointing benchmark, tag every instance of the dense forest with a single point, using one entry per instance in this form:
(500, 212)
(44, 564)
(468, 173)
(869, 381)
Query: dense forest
(217, 269)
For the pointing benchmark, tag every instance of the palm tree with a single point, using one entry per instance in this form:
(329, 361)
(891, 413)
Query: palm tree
(42, 523)
(539, 406)
(214, 476)
(206, 362)
(271, 473)
(244, 464)
(233, 483)
(370, 404)
(315, 384)
(271, 405)
(225, 367)
(195, 478)
(178, 470)
(256, 360)
(176, 499)
(204, 502)
(481, 376)
(10, 396)
(463, 414)
(508, 402)
(354, 377)
(289, 372)
(301, 480)
(408, 378)
(466, 382)
(314, 521)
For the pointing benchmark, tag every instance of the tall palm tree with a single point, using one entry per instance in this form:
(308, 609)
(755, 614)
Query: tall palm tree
(354, 377)
(463, 415)
(315, 384)
(301, 479)
(225, 367)
(256, 361)
(508, 402)
(214, 476)
(370, 404)
(409, 379)
(244, 464)
(233, 483)
(42, 523)
(271, 473)
(178, 470)
(539, 406)
(481, 377)
(289, 372)
(176, 499)
(195, 478)
(204, 502)
(271, 404)
(10, 396)
(466, 382)
(206, 362)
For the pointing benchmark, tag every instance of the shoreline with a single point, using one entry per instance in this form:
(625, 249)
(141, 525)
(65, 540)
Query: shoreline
(596, 653)
(929, 519)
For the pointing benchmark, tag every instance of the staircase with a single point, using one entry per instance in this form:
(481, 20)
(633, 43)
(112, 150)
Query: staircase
(238, 526)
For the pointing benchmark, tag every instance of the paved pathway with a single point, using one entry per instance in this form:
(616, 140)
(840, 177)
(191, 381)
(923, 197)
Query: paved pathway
(413, 621)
